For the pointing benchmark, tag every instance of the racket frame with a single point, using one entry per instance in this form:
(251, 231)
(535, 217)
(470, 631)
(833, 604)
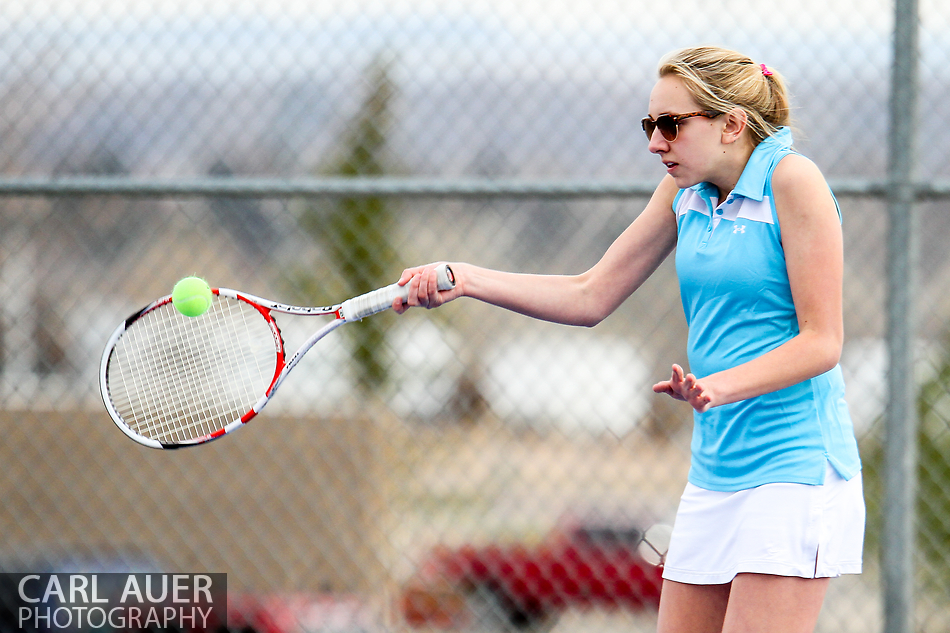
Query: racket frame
(354, 309)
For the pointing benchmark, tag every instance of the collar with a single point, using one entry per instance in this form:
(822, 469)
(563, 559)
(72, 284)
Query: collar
(756, 171)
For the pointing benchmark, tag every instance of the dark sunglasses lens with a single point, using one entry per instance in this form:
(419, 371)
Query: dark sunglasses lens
(649, 126)
(667, 127)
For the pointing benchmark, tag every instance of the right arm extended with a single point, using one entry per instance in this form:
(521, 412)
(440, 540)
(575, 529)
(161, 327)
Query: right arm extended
(584, 299)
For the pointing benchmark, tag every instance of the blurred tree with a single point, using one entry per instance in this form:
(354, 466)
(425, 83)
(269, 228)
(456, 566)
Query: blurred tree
(933, 497)
(933, 492)
(356, 232)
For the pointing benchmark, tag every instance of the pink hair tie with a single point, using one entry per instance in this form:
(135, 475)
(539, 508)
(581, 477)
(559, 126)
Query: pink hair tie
(765, 70)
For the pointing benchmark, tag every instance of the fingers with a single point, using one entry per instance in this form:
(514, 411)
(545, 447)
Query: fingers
(429, 285)
(703, 403)
(666, 388)
(398, 306)
(409, 277)
(678, 375)
(685, 387)
(695, 393)
(423, 288)
(674, 386)
(406, 276)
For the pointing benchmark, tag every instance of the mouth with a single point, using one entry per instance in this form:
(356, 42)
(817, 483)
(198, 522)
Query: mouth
(670, 166)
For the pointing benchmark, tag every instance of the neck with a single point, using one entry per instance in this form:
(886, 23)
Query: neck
(735, 157)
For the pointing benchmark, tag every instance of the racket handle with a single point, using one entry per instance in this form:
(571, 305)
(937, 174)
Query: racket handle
(382, 299)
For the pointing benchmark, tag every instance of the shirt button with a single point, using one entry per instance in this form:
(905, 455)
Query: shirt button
(718, 211)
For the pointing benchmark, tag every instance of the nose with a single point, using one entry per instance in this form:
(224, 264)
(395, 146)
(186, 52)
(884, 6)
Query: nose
(658, 143)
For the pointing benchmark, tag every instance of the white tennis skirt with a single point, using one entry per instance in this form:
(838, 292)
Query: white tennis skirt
(779, 529)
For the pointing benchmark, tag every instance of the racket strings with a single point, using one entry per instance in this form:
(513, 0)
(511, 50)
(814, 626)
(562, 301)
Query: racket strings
(173, 378)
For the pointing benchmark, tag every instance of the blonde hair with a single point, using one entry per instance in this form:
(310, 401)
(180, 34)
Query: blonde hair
(721, 79)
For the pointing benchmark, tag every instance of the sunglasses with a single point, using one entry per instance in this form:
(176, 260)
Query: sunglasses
(669, 124)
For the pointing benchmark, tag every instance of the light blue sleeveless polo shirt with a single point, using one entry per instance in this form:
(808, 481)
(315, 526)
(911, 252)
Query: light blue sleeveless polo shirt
(738, 304)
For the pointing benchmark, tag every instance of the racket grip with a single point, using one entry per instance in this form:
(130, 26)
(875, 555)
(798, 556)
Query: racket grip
(382, 299)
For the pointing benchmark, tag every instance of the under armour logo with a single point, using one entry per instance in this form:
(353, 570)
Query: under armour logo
(738, 228)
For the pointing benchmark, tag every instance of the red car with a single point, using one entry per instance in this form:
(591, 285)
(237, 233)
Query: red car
(516, 587)
(299, 613)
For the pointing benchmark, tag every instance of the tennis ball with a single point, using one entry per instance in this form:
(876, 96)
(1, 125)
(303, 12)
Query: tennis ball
(192, 296)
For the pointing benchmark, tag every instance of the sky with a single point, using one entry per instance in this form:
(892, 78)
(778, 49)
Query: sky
(605, 35)
(590, 16)
(602, 46)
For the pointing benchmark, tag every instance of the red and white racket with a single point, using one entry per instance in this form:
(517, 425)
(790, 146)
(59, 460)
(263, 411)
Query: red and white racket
(168, 380)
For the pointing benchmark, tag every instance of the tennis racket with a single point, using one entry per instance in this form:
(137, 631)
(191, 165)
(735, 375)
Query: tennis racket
(169, 381)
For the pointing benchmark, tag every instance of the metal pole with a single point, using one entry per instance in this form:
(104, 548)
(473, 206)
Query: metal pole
(389, 186)
(900, 446)
(403, 187)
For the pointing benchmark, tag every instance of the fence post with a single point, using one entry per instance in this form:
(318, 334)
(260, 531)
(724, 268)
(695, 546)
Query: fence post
(900, 446)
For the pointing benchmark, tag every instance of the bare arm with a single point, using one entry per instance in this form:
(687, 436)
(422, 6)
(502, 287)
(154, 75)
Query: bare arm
(812, 241)
(584, 299)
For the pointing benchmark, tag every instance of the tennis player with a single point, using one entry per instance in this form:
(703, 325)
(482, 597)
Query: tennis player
(774, 505)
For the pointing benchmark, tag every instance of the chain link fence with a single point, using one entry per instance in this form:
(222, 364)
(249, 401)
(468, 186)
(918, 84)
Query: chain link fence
(461, 432)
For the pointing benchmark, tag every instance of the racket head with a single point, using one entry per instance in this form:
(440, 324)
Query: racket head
(169, 381)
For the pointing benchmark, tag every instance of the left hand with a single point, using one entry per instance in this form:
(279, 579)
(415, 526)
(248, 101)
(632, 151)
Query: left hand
(686, 387)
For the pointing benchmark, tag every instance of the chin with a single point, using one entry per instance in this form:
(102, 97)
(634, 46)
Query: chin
(684, 182)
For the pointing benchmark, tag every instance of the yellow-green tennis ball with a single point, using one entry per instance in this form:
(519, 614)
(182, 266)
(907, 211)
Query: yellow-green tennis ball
(192, 296)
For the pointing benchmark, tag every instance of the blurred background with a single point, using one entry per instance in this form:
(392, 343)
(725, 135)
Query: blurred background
(464, 432)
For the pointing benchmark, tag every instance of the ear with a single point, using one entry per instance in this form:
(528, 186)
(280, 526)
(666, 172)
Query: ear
(737, 121)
